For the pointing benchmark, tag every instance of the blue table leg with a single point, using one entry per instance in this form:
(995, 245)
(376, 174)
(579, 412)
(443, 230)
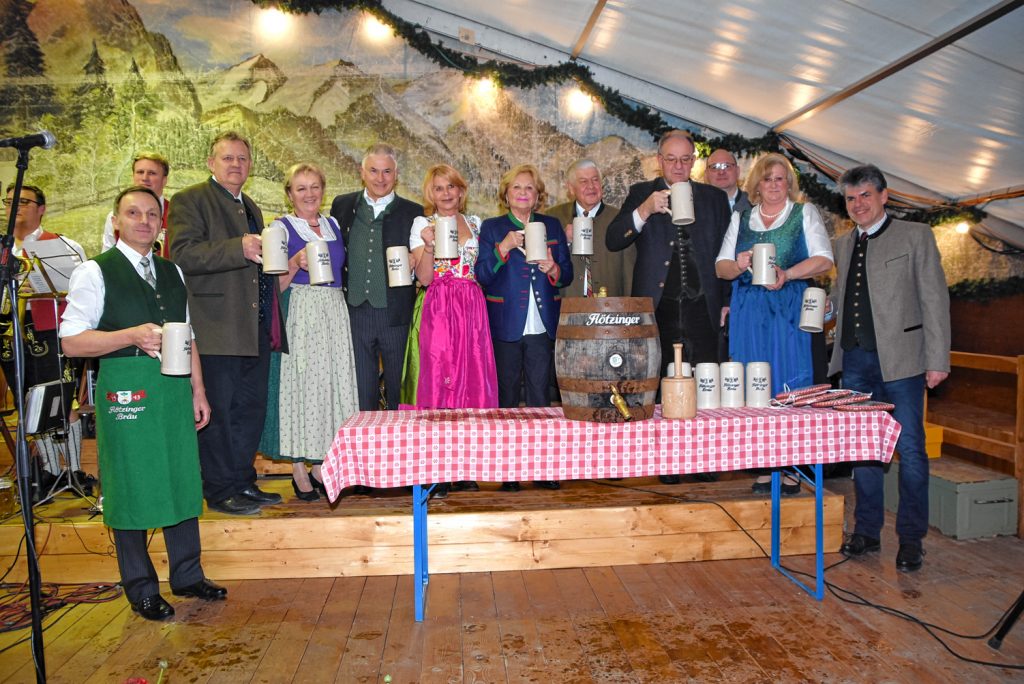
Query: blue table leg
(421, 567)
(819, 530)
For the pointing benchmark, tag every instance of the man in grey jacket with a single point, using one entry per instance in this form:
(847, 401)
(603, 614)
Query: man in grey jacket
(892, 340)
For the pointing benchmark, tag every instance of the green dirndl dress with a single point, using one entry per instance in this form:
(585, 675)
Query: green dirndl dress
(147, 446)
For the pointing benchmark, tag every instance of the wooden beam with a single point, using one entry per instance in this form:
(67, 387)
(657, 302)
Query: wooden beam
(951, 36)
(588, 29)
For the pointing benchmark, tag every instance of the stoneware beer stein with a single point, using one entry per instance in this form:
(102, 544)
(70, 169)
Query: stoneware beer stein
(399, 273)
(678, 393)
(731, 379)
(446, 238)
(762, 264)
(682, 203)
(175, 353)
(318, 263)
(583, 236)
(812, 310)
(687, 369)
(759, 384)
(707, 386)
(275, 250)
(536, 242)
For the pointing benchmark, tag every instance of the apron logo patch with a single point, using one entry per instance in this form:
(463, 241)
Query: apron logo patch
(122, 409)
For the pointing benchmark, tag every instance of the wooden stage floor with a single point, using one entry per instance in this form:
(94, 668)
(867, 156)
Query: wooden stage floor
(608, 621)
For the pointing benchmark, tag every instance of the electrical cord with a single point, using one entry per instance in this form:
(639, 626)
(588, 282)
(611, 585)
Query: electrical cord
(839, 591)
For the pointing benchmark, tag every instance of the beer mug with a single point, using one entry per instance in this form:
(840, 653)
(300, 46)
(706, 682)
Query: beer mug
(536, 242)
(399, 272)
(762, 264)
(759, 384)
(812, 310)
(275, 250)
(446, 238)
(583, 236)
(318, 263)
(731, 378)
(707, 386)
(175, 353)
(682, 203)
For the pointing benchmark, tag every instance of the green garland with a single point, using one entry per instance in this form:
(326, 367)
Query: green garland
(510, 74)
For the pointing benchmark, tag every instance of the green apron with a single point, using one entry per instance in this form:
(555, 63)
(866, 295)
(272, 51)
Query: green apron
(147, 447)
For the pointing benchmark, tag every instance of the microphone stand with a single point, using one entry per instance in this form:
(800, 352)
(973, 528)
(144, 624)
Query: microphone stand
(8, 280)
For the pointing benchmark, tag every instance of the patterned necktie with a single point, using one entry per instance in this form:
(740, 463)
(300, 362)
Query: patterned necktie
(147, 272)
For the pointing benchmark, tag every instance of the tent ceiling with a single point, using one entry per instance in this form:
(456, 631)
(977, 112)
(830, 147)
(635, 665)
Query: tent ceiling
(951, 122)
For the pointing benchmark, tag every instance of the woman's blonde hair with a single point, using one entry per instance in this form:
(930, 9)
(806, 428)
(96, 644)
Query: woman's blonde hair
(761, 168)
(453, 176)
(510, 176)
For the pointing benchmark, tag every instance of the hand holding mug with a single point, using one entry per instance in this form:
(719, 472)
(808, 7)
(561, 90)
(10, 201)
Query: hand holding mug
(744, 259)
(427, 235)
(252, 248)
(301, 260)
(656, 203)
(513, 240)
(147, 337)
(547, 265)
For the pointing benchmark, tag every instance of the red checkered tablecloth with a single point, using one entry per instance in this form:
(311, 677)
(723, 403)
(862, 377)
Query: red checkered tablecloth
(398, 448)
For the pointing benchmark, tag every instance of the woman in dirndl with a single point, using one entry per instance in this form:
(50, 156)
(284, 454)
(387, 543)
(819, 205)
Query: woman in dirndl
(318, 374)
(456, 354)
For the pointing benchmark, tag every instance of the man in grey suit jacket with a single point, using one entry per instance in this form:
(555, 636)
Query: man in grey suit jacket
(215, 238)
(675, 265)
(723, 172)
(892, 340)
(611, 270)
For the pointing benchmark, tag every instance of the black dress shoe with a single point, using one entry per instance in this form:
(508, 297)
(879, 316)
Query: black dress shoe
(440, 490)
(235, 505)
(669, 479)
(153, 608)
(465, 486)
(546, 484)
(706, 477)
(311, 495)
(790, 489)
(910, 557)
(761, 487)
(203, 589)
(317, 484)
(257, 495)
(510, 486)
(858, 545)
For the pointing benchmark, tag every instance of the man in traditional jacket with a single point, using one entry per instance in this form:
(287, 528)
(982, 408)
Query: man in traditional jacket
(146, 422)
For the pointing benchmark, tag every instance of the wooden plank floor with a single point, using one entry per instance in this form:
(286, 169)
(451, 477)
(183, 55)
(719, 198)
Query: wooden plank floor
(728, 620)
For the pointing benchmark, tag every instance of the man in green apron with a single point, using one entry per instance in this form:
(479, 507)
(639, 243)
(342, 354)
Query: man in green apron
(146, 436)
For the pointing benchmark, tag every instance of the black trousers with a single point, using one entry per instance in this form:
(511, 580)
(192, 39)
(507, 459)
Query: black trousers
(699, 335)
(376, 344)
(138, 576)
(527, 362)
(236, 387)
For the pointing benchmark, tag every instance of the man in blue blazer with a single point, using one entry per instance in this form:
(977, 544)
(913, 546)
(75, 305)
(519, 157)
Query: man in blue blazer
(675, 265)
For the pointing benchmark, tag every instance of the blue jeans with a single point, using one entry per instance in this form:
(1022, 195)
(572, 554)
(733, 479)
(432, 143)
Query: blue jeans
(861, 372)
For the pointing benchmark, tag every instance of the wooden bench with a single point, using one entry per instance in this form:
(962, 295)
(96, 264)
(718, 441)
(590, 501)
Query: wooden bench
(981, 410)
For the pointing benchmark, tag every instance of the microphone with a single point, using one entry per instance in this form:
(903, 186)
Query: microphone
(44, 139)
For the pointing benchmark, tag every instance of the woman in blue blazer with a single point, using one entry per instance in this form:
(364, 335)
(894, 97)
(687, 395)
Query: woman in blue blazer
(523, 299)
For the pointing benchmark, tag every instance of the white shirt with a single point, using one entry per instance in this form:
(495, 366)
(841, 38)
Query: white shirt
(590, 212)
(108, 230)
(874, 228)
(86, 293)
(303, 230)
(379, 205)
(815, 234)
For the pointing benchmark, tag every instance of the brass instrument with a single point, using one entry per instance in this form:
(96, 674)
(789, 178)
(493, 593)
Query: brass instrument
(24, 266)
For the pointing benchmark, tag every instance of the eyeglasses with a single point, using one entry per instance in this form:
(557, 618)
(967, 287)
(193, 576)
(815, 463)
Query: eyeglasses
(721, 166)
(22, 201)
(688, 159)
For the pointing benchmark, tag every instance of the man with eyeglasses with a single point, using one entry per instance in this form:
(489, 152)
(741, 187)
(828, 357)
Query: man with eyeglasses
(675, 265)
(39, 325)
(723, 172)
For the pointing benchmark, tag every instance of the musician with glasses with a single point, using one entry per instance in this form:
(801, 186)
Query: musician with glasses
(723, 172)
(675, 265)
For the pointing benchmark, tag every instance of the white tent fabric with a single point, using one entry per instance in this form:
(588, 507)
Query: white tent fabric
(950, 121)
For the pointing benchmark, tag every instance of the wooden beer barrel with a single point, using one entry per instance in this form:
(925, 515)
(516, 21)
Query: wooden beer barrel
(605, 341)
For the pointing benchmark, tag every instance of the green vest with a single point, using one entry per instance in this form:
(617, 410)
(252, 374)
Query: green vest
(130, 301)
(367, 278)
